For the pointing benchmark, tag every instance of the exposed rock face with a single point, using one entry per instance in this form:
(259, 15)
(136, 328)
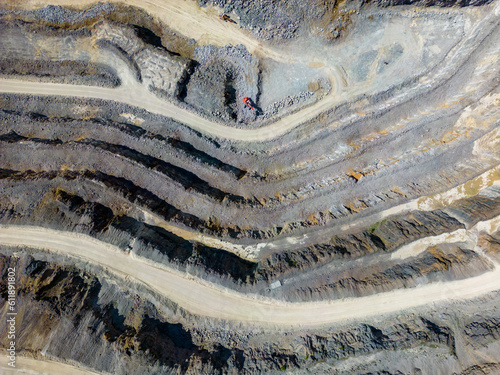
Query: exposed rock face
(26, 53)
(367, 280)
(66, 211)
(65, 72)
(271, 19)
(382, 236)
(425, 3)
(68, 303)
(157, 67)
(106, 318)
(62, 210)
(338, 155)
(57, 301)
(231, 73)
(490, 244)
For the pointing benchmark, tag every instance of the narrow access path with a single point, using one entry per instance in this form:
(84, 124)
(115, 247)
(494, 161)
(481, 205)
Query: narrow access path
(202, 298)
(32, 366)
(134, 94)
(184, 16)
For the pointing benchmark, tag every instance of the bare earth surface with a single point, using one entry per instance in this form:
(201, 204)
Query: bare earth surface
(33, 366)
(346, 222)
(203, 299)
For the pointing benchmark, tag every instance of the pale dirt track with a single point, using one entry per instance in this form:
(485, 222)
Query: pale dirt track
(31, 366)
(440, 200)
(137, 96)
(134, 94)
(206, 299)
(252, 251)
(183, 16)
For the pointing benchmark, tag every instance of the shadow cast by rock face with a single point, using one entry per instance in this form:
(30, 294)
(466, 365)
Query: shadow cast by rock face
(183, 252)
(168, 343)
(73, 295)
(173, 346)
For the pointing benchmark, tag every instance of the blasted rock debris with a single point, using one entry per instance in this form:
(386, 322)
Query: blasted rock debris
(250, 187)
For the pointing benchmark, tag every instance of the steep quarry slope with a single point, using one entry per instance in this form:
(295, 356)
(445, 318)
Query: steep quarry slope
(346, 222)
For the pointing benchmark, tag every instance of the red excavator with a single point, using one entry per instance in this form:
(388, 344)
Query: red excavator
(226, 18)
(248, 102)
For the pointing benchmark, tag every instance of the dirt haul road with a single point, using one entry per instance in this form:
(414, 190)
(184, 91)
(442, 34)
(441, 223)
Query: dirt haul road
(185, 17)
(202, 298)
(31, 366)
(134, 94)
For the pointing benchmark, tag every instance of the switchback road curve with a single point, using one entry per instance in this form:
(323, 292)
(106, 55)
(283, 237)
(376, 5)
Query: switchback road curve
(205, 299)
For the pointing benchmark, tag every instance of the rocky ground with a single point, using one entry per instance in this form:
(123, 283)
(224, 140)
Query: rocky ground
(368, 165)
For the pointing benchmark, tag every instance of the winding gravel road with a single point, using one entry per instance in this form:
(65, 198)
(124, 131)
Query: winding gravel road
(205, 299)
(31, 366)
(133, 93)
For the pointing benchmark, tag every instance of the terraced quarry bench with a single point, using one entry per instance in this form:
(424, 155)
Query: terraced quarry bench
(154, 223)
